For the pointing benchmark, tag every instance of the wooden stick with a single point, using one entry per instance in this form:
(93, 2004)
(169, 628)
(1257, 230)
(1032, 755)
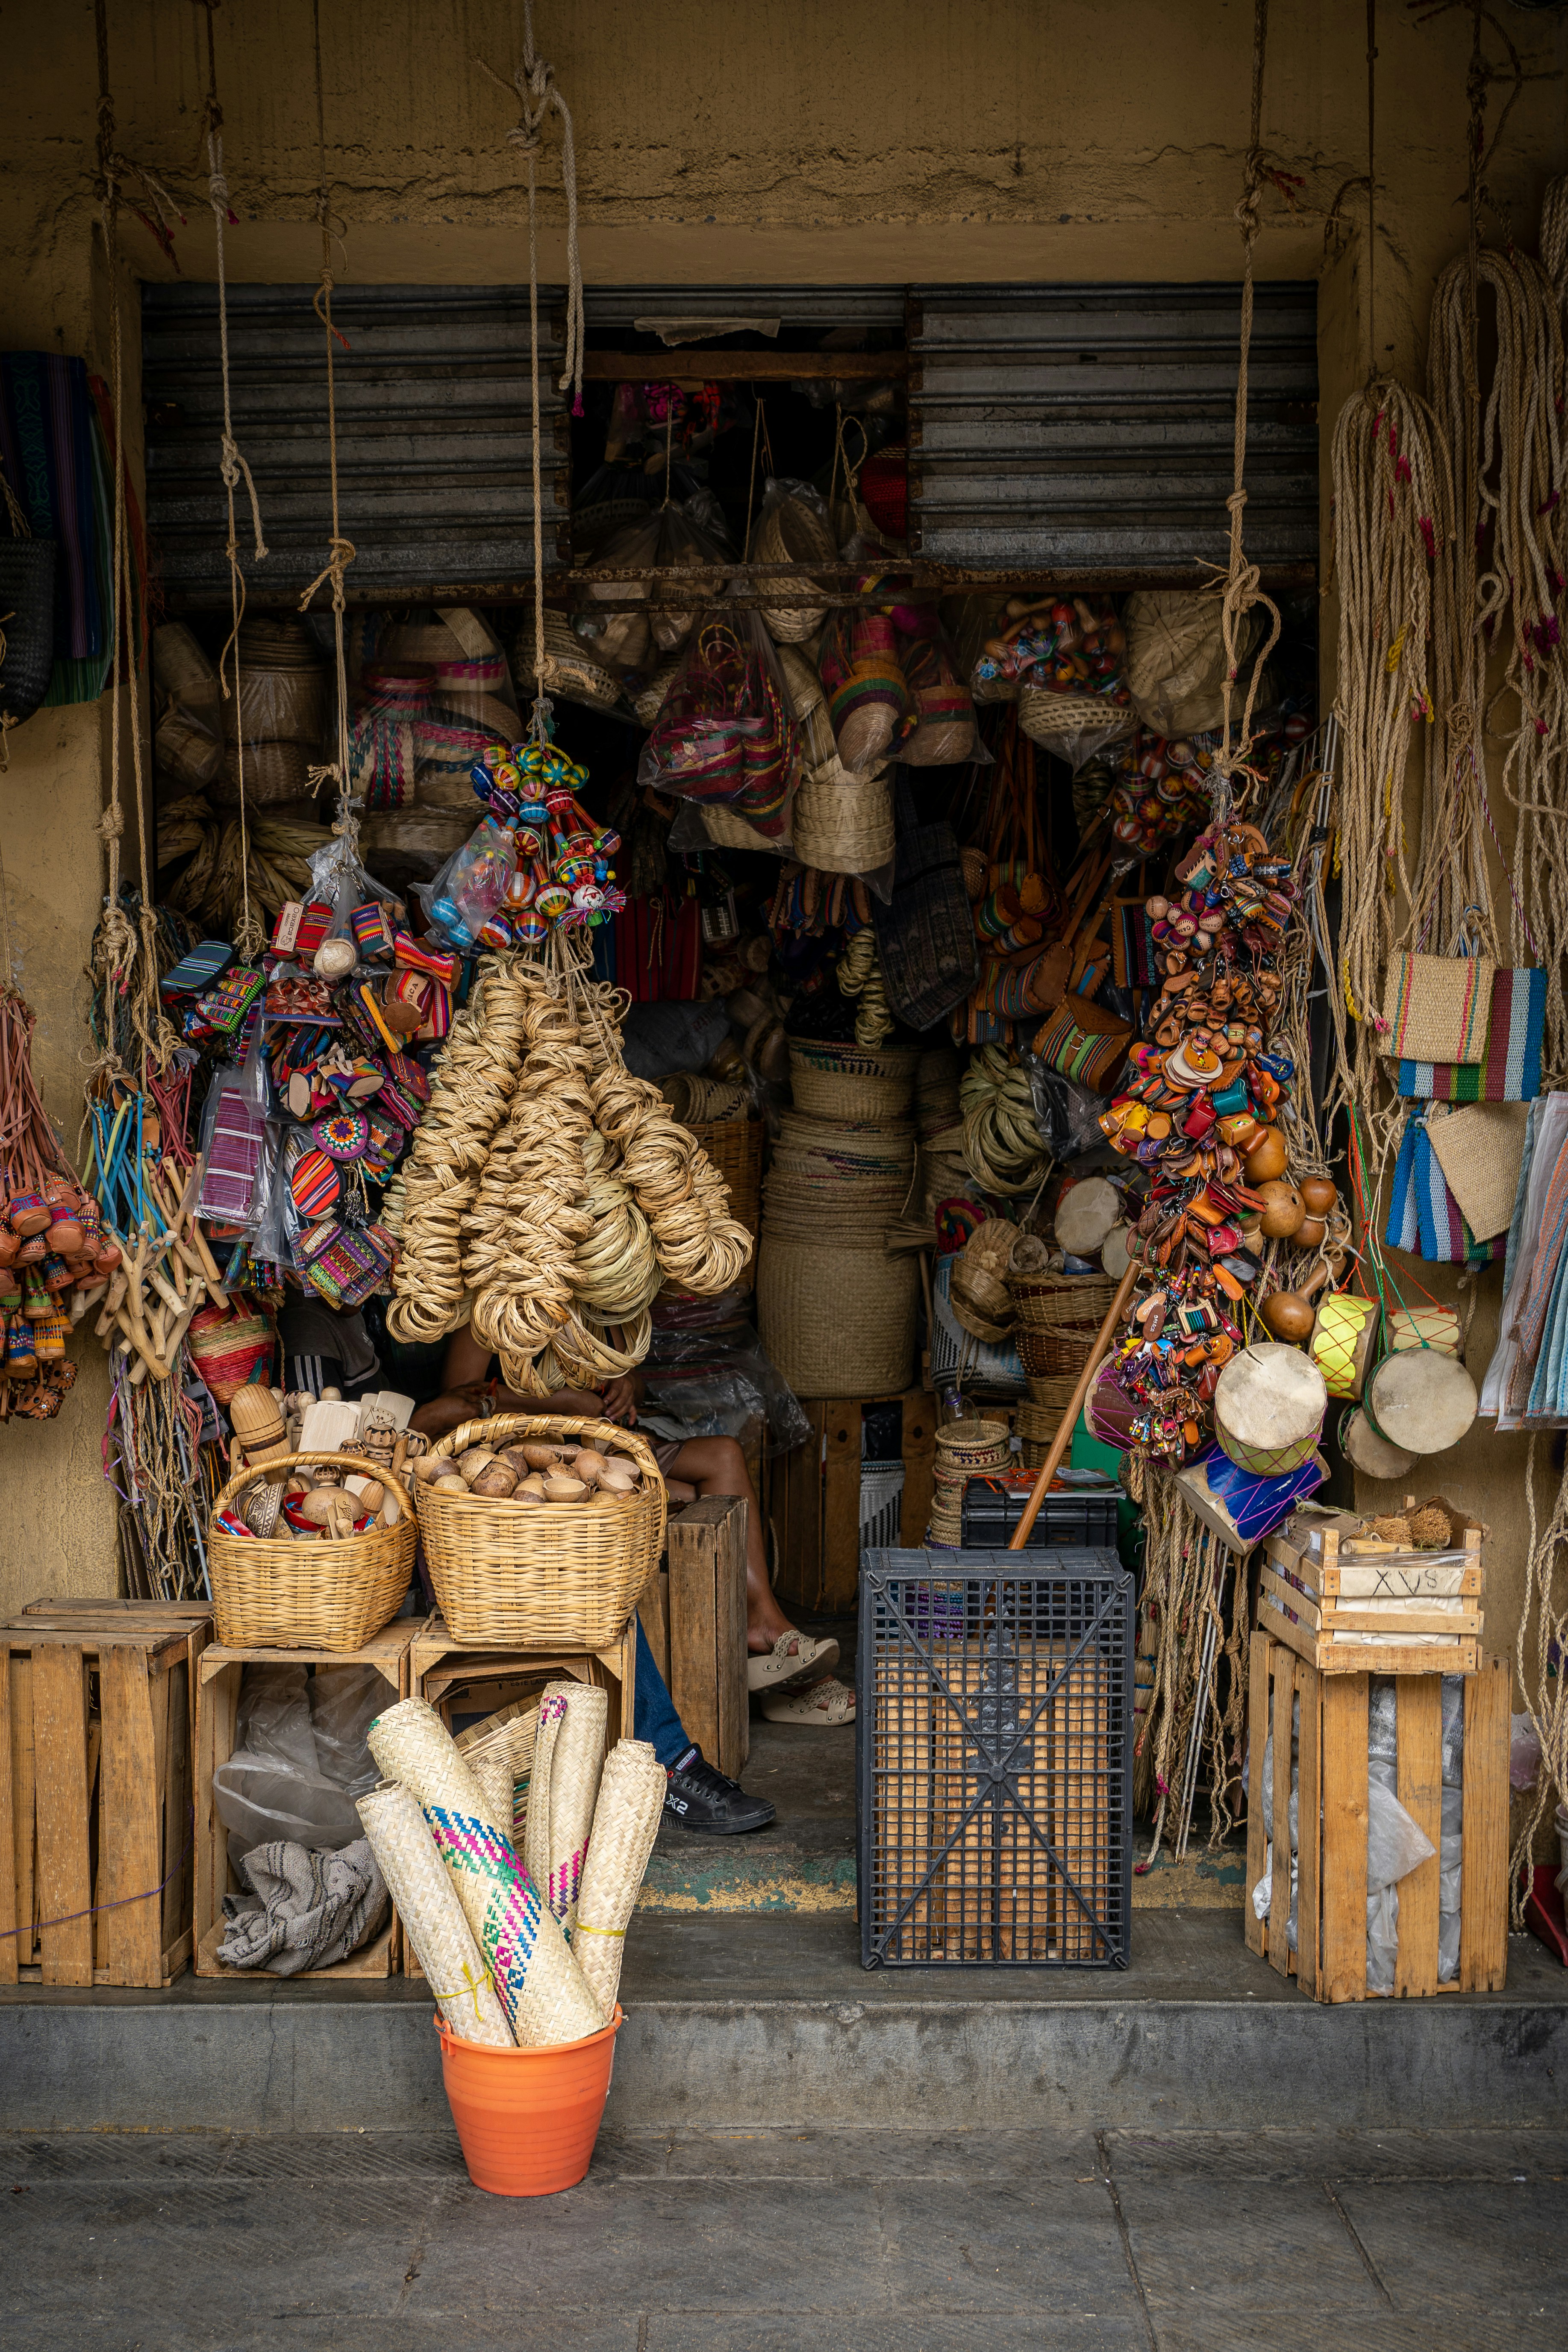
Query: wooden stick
(1068, 1422)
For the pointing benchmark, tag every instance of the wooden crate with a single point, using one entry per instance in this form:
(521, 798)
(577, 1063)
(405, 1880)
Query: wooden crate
(1332, 1770)
(217, 1683)
(707, 1628)
(96, 1792)
(1308, 1593)
(813, 1500)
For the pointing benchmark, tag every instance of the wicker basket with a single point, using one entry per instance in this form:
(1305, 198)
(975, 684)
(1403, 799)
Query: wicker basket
(844, 826)
(544, 1575)
(792, 532)
(966, 1448)
(852, 1082)
(837, 1322)
(1052, 1391)
(273, 772)
(735, 1148)
(1062, 1302)
(298, 1595)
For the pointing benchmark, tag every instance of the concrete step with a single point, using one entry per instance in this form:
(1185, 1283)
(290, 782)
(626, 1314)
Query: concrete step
(735, 2020)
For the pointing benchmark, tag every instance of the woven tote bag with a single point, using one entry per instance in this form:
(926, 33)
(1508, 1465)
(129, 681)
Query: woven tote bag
(1438, 1008)
(1510, 1071)
(925, 936)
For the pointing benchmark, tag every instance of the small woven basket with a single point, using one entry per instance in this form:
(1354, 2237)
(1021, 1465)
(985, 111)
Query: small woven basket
(964, 1448)
(274, 772)
(851, 1082)
(844, 825)
(1061, 1302)
(791, 532)
(297, 1594)
(531, 1576)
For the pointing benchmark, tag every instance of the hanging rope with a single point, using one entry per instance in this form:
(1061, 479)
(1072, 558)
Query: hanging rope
(1242, 586)
(1545, 1690)
(535, 82)
(124, 958)
(232, 467)
(346, 823)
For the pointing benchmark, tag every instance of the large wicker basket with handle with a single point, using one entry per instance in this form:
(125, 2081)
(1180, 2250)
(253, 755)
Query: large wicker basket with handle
(300, 1594)
(535, 1576)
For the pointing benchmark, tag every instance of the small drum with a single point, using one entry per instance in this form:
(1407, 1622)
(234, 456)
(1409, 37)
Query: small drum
(1268, 1408)
(1110, 1413)
(1424, 1327)
(1343, 1336)
(1085, 1216)
(1370, 1454)
(1113, 1253)
(1243, 1510)
(1421, 1399)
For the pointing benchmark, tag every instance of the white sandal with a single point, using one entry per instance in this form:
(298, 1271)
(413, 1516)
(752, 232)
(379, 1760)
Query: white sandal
(777, 1669)
(826, 1704)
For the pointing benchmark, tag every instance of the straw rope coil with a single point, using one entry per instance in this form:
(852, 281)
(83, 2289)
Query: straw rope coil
(470, 1088)
(1002, 1145)
(421, 1888)
(860, 975)
(544, 1994)
(625, 1824)
(562, 1790)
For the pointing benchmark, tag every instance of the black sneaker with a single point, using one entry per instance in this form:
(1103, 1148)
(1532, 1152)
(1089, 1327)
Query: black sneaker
(708, 1801)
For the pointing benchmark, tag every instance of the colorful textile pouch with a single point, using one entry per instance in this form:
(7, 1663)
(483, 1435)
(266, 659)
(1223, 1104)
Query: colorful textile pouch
(1423, 1215)
(1131, 944)
(1085, 1041)
(1438, 1008)
(1510, 1071)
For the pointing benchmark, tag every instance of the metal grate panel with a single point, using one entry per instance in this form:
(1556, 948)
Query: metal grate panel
(433, 414)
(995, 1735)
(1089, 428)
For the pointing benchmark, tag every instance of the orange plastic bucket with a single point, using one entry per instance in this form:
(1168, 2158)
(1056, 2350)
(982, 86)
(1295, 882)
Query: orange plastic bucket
(528, 2119)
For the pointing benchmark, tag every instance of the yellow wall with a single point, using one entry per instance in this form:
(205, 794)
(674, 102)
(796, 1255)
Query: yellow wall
(894, 141)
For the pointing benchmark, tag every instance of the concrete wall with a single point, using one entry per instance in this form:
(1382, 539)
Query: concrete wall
(722, 145)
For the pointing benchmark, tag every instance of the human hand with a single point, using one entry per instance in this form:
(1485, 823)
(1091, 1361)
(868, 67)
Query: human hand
(449, 1411)
(619, 1401)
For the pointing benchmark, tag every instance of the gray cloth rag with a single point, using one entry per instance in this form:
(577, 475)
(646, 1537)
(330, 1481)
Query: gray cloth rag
(306, 1910)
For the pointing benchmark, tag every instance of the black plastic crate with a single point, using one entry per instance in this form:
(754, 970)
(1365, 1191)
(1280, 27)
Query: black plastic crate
(994, 1506)
(995, 1760)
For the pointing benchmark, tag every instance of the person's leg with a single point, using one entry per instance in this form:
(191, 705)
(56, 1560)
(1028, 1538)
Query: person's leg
(698, 1795)
(716, 1466)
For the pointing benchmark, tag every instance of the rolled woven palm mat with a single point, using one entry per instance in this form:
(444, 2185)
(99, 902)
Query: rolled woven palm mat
(505, 1739)
(421, 1886)
(544, 1992)
(491, 1768)
(626, 1823)
(563, 1788)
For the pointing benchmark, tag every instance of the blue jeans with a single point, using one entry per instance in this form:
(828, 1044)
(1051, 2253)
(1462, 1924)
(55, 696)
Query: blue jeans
(653, 1716)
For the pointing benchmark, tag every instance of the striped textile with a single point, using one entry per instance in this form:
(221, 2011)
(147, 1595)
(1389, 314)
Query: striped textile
(234, 1156)
(1439, 996)
(1511, 1069)
(56, 440)
(1424, 1218)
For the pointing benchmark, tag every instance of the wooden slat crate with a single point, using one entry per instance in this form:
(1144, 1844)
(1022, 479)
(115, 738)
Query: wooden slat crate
(707, 1628)
(96, 1793)
(813, 1502)
(1331, 1774)
(1308, 1594)
(219, 1676)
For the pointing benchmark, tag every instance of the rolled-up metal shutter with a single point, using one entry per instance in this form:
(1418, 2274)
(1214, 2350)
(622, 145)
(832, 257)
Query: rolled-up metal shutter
(434, 429)
(1088, 429)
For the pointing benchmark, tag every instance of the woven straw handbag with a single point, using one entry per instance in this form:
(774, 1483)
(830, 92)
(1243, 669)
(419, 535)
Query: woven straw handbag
(538, 1576)
(324, 1594)
(1438, 1008)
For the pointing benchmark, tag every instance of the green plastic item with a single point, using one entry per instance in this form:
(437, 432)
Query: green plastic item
(1091, 1453)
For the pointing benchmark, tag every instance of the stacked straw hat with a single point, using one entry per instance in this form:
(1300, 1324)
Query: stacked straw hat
(835, 1309)
(279, 716)
(965, 1450)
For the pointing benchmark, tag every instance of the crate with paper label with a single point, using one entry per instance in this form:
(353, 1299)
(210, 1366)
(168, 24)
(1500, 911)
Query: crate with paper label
(1393, 1594)
(1404, 1889)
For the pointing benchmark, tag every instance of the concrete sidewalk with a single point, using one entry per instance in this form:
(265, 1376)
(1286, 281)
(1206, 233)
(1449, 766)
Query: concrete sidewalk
(801, 2241)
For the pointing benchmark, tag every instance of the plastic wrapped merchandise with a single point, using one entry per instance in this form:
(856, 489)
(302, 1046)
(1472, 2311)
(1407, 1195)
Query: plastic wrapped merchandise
(727, 732)
(1176, 658)
(946, 731)
(300, 1758)
(868, 697)
(793, 527)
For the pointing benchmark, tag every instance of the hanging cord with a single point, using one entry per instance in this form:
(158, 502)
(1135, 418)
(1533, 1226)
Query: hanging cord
(20, 529)
(1242, 587)
(535, 82)
(1546, 1692)
(346, 823)
(121, 971)
(232, 466)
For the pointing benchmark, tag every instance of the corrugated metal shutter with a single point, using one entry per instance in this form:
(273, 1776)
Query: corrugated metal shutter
(809, 308)
(1088, 429)
(434, 438)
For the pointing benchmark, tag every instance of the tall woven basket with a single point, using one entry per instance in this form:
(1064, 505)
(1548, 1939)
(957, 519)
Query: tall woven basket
(536, 1576)
(852, 1082)
(296, 1594)
(735, 1148)
(837, 1322)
